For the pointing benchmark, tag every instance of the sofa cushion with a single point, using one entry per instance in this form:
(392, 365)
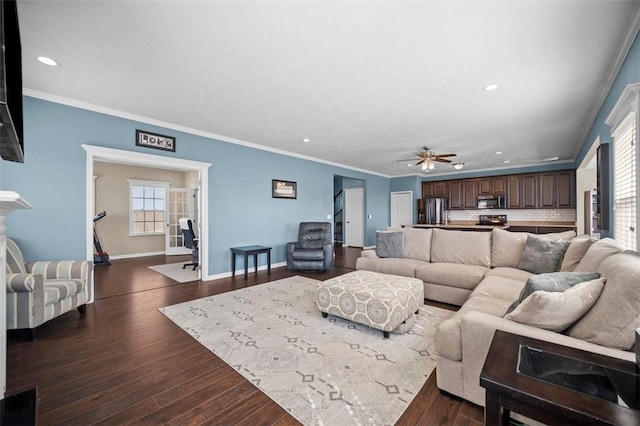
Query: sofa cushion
(464, 247)
(451, 274)
(389, 243)
(541, 255)
(512, 273)
(448, 339)
(398, 266)
(575, 252)
(557, 311)
(57, 290)
(612, 320)
(507, 247)
(557, 282)
(417, 244)
(596, 254)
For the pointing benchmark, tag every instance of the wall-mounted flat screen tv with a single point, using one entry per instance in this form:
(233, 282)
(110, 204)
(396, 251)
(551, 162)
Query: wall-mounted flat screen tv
(11, 129)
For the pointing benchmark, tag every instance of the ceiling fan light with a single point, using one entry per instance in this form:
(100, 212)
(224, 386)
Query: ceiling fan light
(425, 166)
(431, 165)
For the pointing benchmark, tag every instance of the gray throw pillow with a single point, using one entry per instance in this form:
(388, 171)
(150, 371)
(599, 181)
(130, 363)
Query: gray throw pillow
(553, 282)
(541, 255)
(389, 243)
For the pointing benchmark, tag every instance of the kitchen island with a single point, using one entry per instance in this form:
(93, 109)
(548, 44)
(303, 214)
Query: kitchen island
(535, 227)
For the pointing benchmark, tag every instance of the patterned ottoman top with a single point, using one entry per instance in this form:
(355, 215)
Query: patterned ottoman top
(368, 281)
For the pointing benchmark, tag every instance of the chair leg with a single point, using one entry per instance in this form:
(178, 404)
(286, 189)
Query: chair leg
(82, 309)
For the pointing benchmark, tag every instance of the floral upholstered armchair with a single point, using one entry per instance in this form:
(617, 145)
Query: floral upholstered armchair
(40, 291)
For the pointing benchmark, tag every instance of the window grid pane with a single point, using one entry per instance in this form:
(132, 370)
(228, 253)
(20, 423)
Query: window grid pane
(148, 210)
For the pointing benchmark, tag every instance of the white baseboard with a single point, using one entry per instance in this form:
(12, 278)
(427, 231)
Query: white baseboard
(132, 255)
(241, 271)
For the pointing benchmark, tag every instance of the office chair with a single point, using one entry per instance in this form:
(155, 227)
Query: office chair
(190, 241)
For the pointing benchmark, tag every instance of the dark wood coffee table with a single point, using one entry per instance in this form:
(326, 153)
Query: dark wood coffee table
(247, 251)
(532, 393)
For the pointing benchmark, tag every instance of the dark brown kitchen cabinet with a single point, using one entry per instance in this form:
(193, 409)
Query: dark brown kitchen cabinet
(514, 191)
(529, 192)
(547, 190)
(428, 189)
(435, 189)
(499, 185)
(557, 190)
(566, 190)
(456, 198)
(470, 194)
(485, 186)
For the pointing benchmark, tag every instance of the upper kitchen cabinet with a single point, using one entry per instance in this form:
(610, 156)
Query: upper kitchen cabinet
(557, 190)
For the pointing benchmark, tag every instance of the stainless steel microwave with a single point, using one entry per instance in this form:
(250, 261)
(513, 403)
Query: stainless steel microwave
(491, 202)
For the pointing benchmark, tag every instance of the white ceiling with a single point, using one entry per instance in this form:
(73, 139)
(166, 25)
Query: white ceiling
(368, 82)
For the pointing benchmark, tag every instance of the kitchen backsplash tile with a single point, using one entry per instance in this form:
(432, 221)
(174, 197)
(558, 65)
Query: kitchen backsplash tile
(519, 215)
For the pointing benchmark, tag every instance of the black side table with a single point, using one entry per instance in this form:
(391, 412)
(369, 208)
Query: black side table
(246, 251)
(527, 376)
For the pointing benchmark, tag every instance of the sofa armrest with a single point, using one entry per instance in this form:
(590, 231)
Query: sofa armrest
(477, 330)
(22, 283)
(369, 254)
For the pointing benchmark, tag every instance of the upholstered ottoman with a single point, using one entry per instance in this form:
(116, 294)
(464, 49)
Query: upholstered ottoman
(381, 301)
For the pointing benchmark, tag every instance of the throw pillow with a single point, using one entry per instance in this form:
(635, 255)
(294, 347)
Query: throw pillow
(557, 311)
(596, 254)
(576, 251)
(553, 282)
(389, 243)
(541, 255)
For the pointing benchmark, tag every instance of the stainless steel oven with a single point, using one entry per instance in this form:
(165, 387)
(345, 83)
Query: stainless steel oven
(491, 202)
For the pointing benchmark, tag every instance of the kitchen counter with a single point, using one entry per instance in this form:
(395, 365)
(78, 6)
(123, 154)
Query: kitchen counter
(518, 226)
(471, 226)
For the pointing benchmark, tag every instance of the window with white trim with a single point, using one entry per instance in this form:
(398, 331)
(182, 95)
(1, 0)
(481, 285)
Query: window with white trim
(623, 120)
(147, 204)
(624, 175)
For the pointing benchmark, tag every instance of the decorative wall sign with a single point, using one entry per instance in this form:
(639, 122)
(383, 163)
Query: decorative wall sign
(284, 189)
(156, 141)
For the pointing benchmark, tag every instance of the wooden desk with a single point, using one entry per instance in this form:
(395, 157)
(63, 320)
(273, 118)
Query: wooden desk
(536, 398)
(246, 251)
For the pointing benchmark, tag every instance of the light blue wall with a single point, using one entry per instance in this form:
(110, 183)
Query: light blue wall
(629, 73)
(241, 209)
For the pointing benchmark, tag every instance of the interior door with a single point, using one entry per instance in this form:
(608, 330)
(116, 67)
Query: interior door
(179, 204)
(354, 215)
(401, 208)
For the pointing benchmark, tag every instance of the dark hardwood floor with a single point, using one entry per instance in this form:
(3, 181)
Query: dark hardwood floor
(124, 362)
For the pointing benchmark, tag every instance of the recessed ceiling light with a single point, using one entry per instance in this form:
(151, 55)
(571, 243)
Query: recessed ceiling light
(498, 152)
(490, 87)
(551, 159)
(458, 166)
(48, 61)
(410, 165)
(306, 140)
(506, 161)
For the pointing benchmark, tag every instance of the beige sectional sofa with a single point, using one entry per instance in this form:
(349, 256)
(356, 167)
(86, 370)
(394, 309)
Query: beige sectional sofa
(478, 271)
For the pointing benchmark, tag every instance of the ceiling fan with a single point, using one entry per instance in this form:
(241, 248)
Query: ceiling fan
(428, 158)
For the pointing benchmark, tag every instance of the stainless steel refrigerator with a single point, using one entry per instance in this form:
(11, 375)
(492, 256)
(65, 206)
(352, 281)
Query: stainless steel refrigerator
(435, 210)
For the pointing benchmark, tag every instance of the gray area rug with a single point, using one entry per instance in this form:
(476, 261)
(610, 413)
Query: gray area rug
(324, 371)
(176, 273)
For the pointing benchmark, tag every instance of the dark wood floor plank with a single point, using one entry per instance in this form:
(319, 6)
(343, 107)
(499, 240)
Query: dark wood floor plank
(125, 362)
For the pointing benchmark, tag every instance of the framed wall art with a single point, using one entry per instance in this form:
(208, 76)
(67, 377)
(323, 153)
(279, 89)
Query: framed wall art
(284, 189)
(155, 141)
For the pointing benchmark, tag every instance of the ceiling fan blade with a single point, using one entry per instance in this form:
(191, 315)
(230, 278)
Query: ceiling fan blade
(421, 161)
(407, 159)
(445, 155)
(442, 160)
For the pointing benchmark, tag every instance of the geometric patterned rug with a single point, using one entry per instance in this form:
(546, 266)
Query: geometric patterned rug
(323, 371)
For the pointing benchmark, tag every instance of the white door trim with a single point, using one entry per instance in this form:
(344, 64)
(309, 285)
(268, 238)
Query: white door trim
(120, 156)
(409, 205)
